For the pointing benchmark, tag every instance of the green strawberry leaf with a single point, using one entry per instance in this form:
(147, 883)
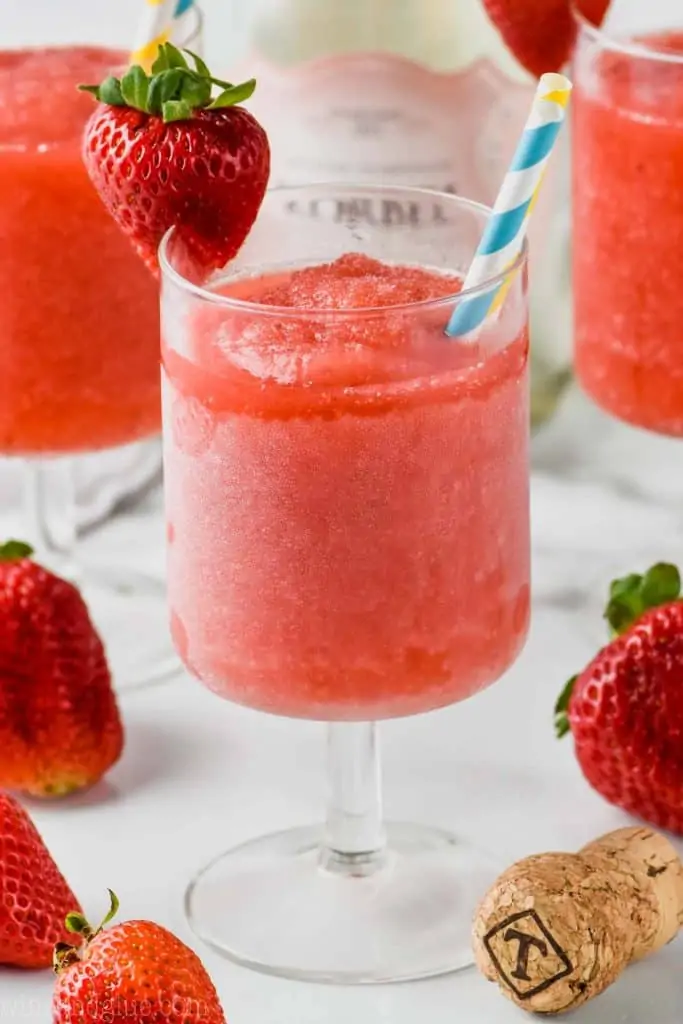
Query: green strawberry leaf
(12, 550)
(221, 83)
(135, 88)
(622, 611)
(168, 57)
(76, 924)
(94, 90)
(114, 905)
(625, 585)
(200, 66)
(561, 712)
(174, 57)
(196, 91)
(172, 82)
(661, 584)
(110, 92)
(176, 110)
(160, 63)
(235, 94)
(164, 87)
(633, 595)
(154, 94)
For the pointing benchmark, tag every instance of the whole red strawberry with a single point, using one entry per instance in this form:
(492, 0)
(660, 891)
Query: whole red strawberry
(60, 728)
(136, 971)
(34, 898)
(625, 710)
(162, 152)
(541, 33)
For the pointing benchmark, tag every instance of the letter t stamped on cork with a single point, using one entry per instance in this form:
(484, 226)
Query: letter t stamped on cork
(525, 955)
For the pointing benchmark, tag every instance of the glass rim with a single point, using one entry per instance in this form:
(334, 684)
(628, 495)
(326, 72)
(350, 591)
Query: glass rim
(629, 47)
(194, 15)
(169, 272)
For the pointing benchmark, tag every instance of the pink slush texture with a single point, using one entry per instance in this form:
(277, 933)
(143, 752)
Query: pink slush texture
(628, 235)
(349, 531)
(78, 314)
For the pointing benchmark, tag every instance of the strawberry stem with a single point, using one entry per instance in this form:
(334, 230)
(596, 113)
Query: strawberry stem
(13, 550)
(173, 91)
(65, 955)
(633, 595)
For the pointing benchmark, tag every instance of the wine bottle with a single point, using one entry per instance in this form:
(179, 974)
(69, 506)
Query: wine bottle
(408, 92)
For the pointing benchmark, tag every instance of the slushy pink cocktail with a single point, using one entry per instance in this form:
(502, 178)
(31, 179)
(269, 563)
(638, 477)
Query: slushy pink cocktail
(348, 540)
(78, 311)
(346, 495)
(628, 225)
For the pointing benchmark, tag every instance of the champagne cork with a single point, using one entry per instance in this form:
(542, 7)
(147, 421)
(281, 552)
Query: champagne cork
(557, 929)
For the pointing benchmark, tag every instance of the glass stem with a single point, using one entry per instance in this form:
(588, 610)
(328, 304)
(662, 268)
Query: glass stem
(354, 837)
(51, 512)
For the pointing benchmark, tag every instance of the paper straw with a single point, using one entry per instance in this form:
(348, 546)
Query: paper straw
(155, 29)
(504, 234)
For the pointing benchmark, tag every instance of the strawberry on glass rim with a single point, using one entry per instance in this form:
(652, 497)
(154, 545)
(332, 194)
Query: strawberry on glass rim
(163, 151)
(541, 33)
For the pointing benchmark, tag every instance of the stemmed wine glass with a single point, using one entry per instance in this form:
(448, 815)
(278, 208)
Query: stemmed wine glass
(348, 541)
(627, 232)
(78, 331)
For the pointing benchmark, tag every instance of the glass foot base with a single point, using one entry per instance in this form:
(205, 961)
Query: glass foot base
(269, 905)
(129, 610)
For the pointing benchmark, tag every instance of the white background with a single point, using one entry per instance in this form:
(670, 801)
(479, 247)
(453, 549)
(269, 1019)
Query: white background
(199, 775)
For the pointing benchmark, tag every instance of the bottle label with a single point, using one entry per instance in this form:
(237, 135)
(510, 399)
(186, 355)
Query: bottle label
(379, 118)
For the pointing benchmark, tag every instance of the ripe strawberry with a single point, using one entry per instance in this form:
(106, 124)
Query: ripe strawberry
(162, 153)
(59, 724)
(34, 898)
(625, 710)
(135, 971)
(541, 33)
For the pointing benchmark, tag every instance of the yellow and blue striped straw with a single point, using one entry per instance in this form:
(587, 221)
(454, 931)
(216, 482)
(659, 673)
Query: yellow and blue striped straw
(155, 28)
(503, 237)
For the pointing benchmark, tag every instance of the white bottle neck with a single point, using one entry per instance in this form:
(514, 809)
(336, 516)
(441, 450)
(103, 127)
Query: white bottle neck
(446, 35)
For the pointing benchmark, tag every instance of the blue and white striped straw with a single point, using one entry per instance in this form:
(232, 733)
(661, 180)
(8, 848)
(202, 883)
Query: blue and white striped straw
(503, 237)
(155, 28)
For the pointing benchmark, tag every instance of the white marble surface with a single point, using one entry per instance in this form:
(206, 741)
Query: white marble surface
(199, 775)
